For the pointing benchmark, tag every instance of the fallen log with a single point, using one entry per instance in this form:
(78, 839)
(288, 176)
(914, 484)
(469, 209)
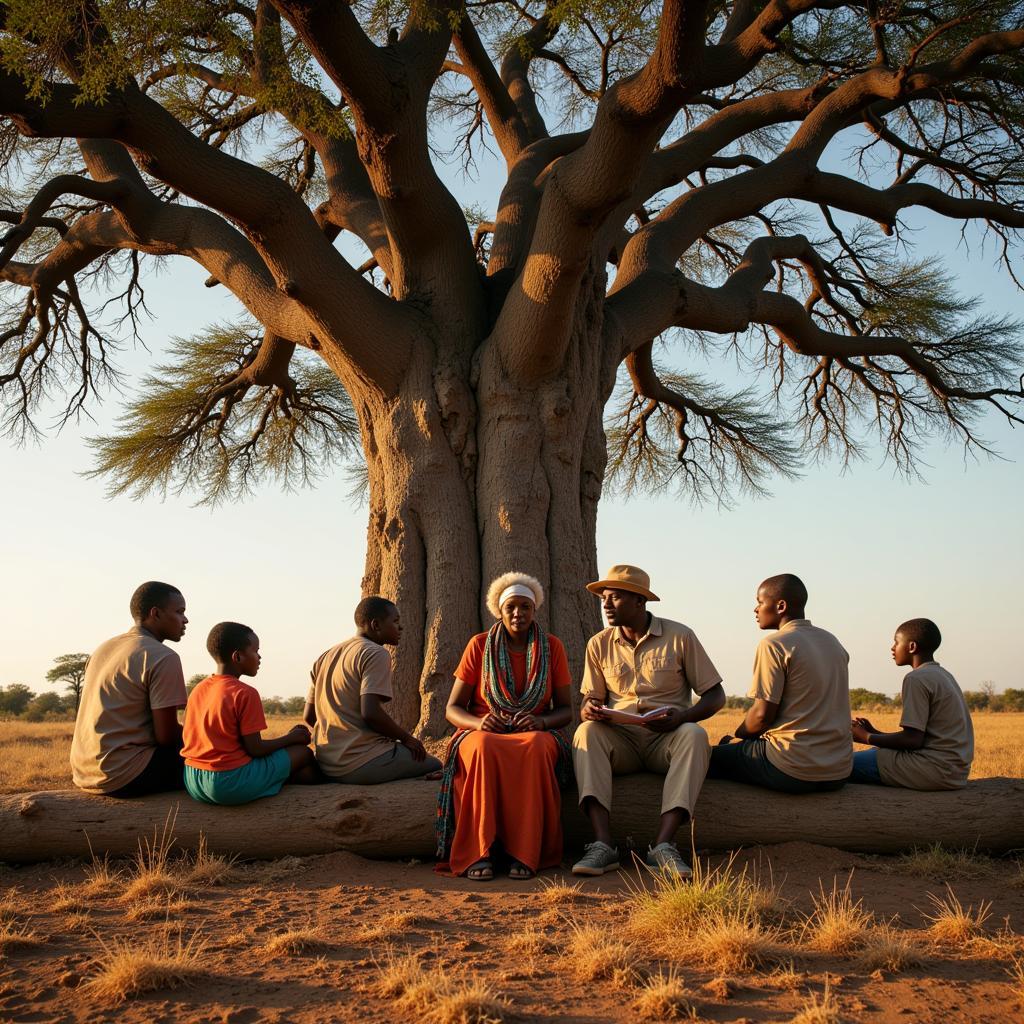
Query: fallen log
(397, 820)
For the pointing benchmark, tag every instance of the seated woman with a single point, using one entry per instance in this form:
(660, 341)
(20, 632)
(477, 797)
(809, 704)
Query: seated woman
(505, 761)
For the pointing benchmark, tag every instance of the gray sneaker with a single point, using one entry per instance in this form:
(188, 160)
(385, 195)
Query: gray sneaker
(667, 858)
(597, 858)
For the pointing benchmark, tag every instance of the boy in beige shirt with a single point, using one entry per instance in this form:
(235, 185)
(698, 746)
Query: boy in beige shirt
(795, 738)
(935, 745)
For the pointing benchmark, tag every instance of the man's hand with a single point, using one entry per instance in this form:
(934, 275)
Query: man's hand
(670, 719)
(861, 730)
(298, 736)
(415, 747)
(729, 738)
(591, 711)
(492, 723)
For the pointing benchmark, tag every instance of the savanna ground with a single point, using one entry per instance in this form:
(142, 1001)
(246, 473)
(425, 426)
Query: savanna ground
(784, 933)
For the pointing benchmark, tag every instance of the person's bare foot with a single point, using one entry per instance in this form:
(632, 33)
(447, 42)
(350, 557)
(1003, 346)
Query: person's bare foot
(519, 870)
(481, 871)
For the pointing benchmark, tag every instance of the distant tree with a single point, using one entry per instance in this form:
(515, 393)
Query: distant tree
(1013, 700)
(44, 706)
(15, 698)
(977, 700)
(740, 703)
(194, 681)
(273, 706)
(70, 669)
(293, 705)
(867, 700)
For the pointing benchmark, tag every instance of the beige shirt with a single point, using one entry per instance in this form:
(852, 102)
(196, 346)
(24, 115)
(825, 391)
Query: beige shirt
(126, 679)
(667, 665)
(804, 670)
(342, 739)
(933, 703)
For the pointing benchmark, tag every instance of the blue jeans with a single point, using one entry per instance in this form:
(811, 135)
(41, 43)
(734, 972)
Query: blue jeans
(865, 768)
(747, 761)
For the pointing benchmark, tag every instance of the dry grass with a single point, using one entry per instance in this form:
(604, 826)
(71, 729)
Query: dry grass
(954, 924)
(79, 921)
(127, 967)
(670, 904)
(9, 909)
(18, 936)
(785, 977)
(886, 948)
(435, 996)
(839, 923)
(155, 907)
(529, 942)
(664, 997)
(1016, 973)
(557, 892)
(593, 952)
(206, 868)
(942, 864)
(819, 1011)
(733, 941)
(64, 897)
(34, 755)
(296, 941)
(392, 925)
(101, 877)
(719, 918)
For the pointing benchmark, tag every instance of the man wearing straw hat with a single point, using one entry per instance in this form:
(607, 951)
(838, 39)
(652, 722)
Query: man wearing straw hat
(645, 666)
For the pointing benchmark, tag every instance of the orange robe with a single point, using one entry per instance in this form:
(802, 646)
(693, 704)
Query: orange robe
(505, 786)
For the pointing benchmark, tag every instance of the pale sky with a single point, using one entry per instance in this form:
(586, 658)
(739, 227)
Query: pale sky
(873, 548)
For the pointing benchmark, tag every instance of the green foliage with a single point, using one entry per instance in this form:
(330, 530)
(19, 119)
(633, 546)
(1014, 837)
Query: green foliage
(14, 698)
(987, 699)
(179, 435)
(739, 703)
(70, 669)
(283, 706)
(193, 681)
(869, 700)
(46, 707)
(715, 444)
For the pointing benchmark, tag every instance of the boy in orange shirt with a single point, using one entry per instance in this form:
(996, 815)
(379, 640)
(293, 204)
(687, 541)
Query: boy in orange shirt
(227, 761)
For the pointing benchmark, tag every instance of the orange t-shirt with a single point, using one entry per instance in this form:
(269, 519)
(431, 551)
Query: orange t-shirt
(470, 671)
(220, 711)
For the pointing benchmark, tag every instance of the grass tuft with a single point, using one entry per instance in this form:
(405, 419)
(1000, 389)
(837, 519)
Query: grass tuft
(128, 967)
(77, 922)
(819, 1011)
(954, 924)
(941, 864)
(297, 941)
(593, 952)
(671, 903)
(392, 925)
(18, 936)
(152, 907)
(664, 997)
(839, 923)
(528, 942)
(64, 897)
(100, 877)
(886, 948)
(1016, 973)
(9, 905)
(436, 996)
(733, 941)
(206, 868)
(559, 893)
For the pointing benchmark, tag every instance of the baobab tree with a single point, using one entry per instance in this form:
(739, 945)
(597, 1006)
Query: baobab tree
(666, 182)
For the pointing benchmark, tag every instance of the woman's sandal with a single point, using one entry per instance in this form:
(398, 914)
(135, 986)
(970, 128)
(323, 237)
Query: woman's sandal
(481, 871)
(520, 871)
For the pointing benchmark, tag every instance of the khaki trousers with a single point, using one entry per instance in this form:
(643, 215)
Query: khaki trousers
(600, 751)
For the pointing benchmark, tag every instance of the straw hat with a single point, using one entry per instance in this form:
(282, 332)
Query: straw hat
(625, 577)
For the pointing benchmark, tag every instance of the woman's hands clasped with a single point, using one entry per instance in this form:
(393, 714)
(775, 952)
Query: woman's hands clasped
(522, 721)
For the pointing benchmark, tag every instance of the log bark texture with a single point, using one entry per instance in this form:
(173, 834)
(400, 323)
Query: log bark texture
(397, 819)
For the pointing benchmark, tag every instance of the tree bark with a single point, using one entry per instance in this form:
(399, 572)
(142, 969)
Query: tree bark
(397, 820)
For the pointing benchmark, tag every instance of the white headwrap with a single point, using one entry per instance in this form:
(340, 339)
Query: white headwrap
(517, 590)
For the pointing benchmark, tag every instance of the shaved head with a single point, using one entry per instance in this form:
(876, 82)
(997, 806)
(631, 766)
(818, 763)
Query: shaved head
(789, 588)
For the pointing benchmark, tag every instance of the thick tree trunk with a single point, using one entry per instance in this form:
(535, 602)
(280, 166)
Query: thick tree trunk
(442, 524)
(397, 820)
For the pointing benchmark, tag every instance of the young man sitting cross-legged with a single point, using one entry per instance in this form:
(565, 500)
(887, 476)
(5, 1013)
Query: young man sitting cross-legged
(934, 747)
(796, 737)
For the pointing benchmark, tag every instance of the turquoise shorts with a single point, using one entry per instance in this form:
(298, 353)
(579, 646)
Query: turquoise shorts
(262, 776)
